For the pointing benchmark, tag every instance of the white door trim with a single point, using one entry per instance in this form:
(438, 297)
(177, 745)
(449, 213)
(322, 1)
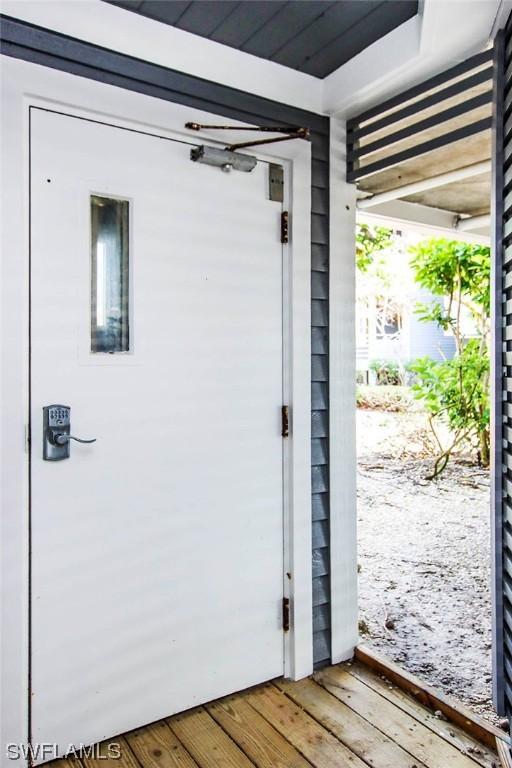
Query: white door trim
(342, 402)
(25, 85)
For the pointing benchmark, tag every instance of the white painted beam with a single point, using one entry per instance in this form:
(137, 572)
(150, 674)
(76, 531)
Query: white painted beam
(419, 218)
(421, 186)
(474, 223)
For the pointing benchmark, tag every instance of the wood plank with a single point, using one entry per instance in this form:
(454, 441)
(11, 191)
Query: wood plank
(156, 746)
(254, 735)
(482, 731)
(314, 742)
(504, 754)
(414, 737)
(452, 733)
(107, 755)
(206, 741)
(372, 746)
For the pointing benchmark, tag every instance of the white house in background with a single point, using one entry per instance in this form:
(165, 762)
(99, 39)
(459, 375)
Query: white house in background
(387, 326)
(392, 332)
(178, 495)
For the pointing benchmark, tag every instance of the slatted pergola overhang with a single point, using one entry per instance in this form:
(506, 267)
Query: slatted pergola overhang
(425, 154)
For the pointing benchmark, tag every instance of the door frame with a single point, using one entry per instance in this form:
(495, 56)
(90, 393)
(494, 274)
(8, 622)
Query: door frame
(27, 85)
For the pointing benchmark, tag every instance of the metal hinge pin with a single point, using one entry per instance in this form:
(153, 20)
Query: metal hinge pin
(286, 614)
(285, 221)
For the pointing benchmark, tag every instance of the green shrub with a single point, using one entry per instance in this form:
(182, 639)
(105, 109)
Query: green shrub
(456, 392)
(387, 371)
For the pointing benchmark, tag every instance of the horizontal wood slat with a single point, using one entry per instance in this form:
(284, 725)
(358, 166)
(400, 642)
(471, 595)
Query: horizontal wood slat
(445, 139)
(464, 67)
(418, 120)
(468, 105)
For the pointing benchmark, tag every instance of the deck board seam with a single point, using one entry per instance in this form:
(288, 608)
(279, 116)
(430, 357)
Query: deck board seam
(230, 737)
(470, 757)
(397, 704)
(204, 709)
(278, 733)
(127, 745)
(140, 762)
(299, 751)
(418, 763)
(166, 721)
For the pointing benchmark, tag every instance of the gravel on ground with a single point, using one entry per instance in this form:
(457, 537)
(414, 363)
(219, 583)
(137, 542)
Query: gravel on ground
(424, 558)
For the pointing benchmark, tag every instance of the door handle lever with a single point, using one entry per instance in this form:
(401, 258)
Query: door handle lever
(61, 438)
(56, 433)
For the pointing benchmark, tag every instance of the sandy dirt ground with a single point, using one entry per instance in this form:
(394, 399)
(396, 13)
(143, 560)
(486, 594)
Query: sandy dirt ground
(424, 559)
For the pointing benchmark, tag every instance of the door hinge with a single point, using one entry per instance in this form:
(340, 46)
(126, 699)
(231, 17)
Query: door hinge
(284, 227)
(285, 421)
(286, 614)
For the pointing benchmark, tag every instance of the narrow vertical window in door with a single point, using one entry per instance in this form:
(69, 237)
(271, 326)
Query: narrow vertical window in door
(110, 275)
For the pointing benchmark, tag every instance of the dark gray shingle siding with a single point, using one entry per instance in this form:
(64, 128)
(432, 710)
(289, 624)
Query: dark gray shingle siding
(320, 400)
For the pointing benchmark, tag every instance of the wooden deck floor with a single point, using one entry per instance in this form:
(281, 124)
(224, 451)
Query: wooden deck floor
(346, 716)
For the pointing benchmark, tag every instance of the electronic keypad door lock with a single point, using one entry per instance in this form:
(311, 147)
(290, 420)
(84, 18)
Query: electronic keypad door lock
(57, 432)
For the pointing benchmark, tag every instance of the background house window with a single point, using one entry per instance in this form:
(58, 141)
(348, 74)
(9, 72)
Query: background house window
(388, 320)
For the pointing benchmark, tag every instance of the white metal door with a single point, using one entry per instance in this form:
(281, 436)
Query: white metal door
(157, 552)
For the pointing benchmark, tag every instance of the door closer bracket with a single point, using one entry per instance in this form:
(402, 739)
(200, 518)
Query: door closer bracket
(229, 158)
